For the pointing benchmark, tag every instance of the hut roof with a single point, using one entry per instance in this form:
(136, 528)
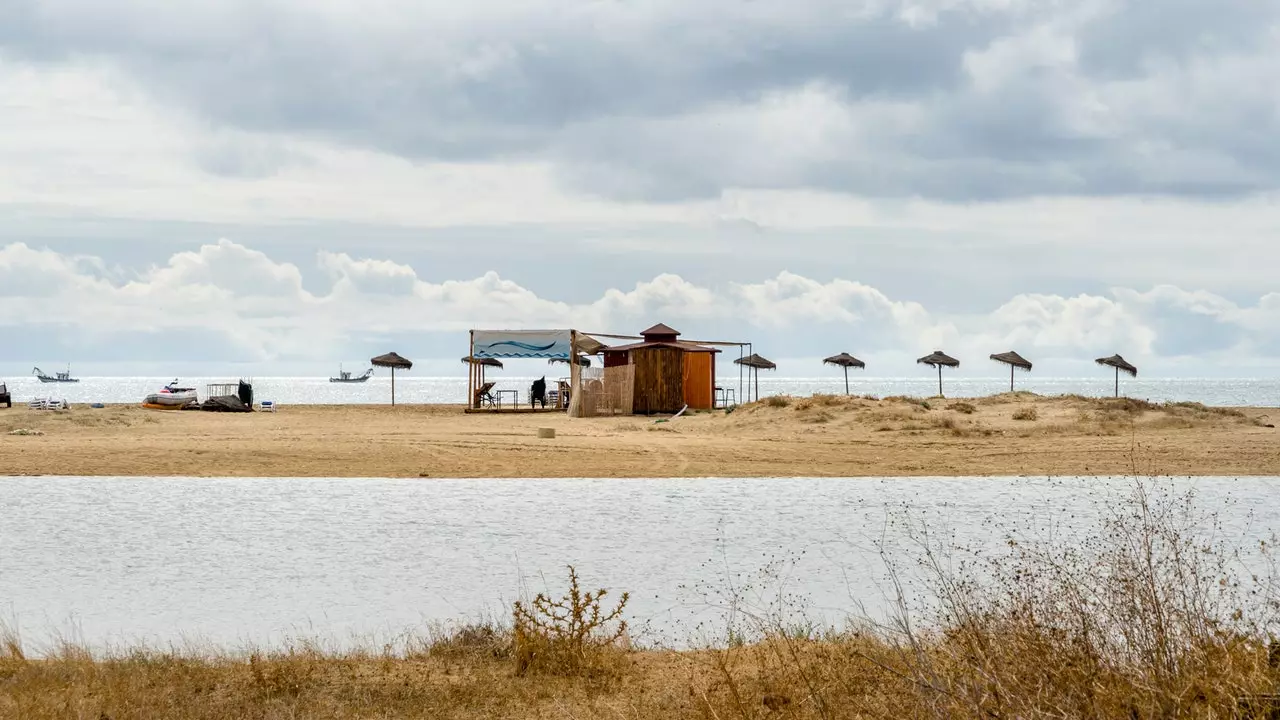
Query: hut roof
(487, 362)
(1118, 363)
(1014, 359)
(937, 358)
(582, 361)
(755, 361)
(660, 329)
(392, 360)
(687, 347)
(844, 360)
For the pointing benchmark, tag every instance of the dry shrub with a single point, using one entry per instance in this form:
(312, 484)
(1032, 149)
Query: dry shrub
(963, 408)
(12, 657)
(828, 400)
(1147, 616)
(777, 401)
(473, 641)
(1029, 414)
(573, 635)
(286, 674)
(818, 418)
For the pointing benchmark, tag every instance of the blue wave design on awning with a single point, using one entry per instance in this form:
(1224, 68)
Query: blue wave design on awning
(523, 346)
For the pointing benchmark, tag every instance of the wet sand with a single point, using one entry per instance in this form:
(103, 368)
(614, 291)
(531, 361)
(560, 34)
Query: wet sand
(824, 436)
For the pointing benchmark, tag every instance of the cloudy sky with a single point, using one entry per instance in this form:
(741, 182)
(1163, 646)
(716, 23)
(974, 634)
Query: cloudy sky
(289, 183)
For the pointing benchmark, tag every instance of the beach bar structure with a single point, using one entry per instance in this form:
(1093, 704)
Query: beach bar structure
(668, 374)
(491, 347)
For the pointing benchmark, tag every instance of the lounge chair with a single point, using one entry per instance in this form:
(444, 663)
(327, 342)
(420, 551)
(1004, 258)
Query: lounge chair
(484, 396)
(268, 406)
(5, 397)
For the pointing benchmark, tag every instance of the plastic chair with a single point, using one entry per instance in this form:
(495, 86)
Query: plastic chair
(268, 406)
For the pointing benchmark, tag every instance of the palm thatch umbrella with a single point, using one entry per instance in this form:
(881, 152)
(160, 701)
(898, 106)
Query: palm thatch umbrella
(755, 363)
(1121, 365)
(846, 361)
(1014, 361)
(482, 363)
(939, 359)
(393, 361)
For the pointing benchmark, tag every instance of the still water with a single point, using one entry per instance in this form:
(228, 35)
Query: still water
(240, 562)
(411, 389)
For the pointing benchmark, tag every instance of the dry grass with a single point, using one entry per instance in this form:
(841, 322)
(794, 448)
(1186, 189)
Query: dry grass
(1026, 414)
(1145, 616)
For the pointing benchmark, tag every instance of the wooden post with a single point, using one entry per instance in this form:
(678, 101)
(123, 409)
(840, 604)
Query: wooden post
(1117, 382)
(471, 370)
(393, 386)
(757, 374)
(575, 374)
(940, 380)
(1010, 378)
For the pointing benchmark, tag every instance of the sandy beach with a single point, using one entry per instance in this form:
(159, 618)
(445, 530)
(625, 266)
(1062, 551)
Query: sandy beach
(823, 436)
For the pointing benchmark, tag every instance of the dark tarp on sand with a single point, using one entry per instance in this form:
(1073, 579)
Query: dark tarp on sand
(225, 403)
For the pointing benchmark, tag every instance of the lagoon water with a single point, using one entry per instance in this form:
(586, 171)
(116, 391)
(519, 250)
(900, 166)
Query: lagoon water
(414, 389)
(238, 562)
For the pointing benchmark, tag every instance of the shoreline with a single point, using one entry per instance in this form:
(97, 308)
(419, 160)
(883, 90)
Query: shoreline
(822, 436)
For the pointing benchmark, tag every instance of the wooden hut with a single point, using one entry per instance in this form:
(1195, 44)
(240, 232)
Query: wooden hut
(668, 373)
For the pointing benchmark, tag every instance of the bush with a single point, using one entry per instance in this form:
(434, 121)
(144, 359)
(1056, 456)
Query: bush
(568, 636)
(1028, 414)
(963, 408)
(777, 401)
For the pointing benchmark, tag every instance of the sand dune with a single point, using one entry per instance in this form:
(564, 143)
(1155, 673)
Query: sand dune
(821, 436)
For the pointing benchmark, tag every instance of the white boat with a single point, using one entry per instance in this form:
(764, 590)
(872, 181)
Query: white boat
(345, 376)
(166, 400)
(57, 377)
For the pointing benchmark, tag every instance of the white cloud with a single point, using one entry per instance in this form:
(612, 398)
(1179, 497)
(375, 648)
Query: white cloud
(259, 306)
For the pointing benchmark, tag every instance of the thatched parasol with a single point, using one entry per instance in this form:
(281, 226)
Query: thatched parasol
(846, 361)
(939, 359)
(755, 363)
(393, 361)
(1014, 361)
(482, 363)
(1121, 365)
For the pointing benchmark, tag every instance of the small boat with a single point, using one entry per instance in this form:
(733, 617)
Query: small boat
(59, 377)
(345, 376)
(171, 397)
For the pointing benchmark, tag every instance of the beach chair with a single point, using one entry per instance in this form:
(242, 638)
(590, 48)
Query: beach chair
(484, 396)
(268, 406)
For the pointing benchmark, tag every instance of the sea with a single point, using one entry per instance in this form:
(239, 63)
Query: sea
(453, 390)
(265, 562)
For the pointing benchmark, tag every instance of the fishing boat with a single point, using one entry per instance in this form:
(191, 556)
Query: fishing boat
(59, 377)
(345, 376)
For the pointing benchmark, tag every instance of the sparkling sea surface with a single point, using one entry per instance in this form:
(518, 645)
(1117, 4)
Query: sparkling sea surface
(410, 389)
(256, 562)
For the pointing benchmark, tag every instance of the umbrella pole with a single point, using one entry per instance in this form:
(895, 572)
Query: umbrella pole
(1117, 382)
(393, 387)
(939, 381)
(1010, 378)
(846, 380)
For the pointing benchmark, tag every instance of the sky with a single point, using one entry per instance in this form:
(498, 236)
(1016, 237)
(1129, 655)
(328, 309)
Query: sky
(287, 184)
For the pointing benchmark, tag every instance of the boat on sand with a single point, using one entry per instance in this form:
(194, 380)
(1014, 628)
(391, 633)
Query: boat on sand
(171, 397)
